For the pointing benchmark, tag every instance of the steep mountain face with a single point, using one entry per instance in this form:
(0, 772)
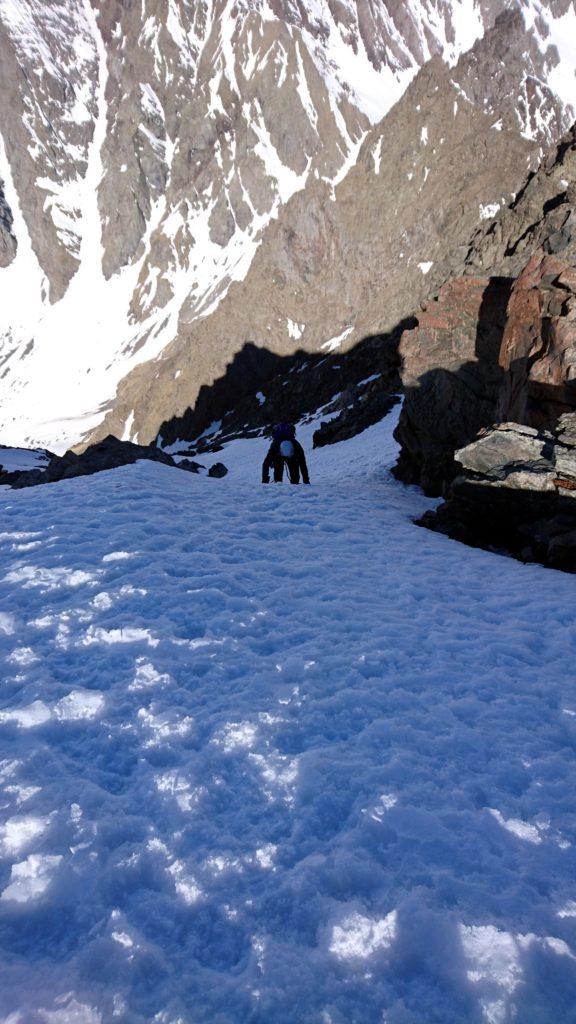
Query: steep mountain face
(178, 178)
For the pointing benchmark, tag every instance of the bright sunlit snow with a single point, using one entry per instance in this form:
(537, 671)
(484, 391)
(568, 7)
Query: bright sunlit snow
(275, 754)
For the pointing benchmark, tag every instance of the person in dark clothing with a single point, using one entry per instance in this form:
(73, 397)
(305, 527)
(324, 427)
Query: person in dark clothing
(285, 451)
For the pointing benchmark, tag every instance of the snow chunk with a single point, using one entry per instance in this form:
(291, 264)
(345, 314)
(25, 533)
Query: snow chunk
(22, 656)
(28, 717)
(79, 704)
(426, 266)
(30, 878)
(265, 855)
(358, 937)
(166, 725)
(147, 676)
(489, 210)
(7, 624)
(20, 832)
(518, 828)
(185, 885)
(118, 556)
(127, 635)
(237, 736)
(48, 579)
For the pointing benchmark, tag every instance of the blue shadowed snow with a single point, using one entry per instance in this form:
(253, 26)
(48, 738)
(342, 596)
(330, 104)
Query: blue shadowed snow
(276, 755)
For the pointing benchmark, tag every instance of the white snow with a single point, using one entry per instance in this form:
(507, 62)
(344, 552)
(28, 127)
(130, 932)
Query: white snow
(334, 343)
(426, 266)
(377, 155)
(7, 624)
(295, 330)
(359, 937)
(30, 879)
(489, 210)
(521, 829)
(294, 752)
(559, 33)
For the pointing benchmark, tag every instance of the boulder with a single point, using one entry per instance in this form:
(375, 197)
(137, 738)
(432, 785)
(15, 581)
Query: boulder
(516, 493)
(190, 466)
(218, 470)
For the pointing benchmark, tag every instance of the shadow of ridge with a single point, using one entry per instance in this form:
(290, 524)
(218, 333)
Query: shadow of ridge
(260, 388)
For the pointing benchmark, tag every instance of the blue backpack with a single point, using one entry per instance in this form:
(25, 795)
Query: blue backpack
(285, 434)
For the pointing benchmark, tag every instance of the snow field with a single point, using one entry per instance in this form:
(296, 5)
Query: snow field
(275, 754)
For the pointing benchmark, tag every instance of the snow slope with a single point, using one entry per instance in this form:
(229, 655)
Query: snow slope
(275, 754)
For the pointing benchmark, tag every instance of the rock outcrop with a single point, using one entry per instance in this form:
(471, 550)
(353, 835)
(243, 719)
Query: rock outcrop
(542, 216)
(516, 493)
(110, 453)
(452, 377)
(471, 365)
(501, 346)
(8, 244)
(258, 390)
(538, 352)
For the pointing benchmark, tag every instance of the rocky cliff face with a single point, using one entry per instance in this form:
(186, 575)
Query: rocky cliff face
(181, 178)
(500, 347)
(452, 377)
(538, 352)
(489, 418)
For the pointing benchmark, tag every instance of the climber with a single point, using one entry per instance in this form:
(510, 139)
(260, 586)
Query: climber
(285, 451)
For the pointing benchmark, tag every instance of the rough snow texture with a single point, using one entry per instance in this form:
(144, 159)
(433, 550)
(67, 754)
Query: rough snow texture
(294, 759)
(147, 148)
